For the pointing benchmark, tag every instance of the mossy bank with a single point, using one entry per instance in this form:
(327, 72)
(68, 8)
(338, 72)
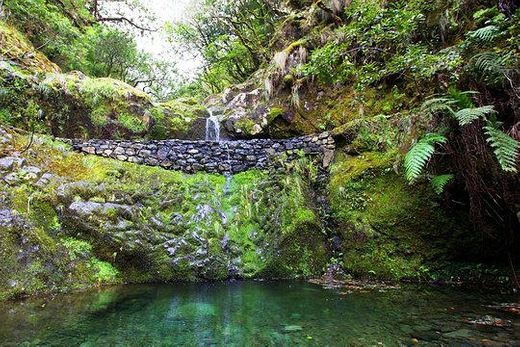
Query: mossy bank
(73, 221)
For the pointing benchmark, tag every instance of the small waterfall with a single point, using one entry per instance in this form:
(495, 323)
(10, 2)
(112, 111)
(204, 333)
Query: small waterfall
(213, 134)
(228, 174)
(212, 127)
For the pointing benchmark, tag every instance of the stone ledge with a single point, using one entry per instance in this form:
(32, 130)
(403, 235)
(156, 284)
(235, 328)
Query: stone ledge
(209, 156)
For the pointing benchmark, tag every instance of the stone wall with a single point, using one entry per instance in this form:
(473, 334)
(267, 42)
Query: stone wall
(208, 156)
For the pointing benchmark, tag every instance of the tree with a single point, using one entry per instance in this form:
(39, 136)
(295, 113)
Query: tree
(232, 37)
(122, 12)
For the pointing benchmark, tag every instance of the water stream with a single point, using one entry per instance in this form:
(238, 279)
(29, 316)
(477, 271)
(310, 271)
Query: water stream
(213, 134)
(212, 127)
(258, 314)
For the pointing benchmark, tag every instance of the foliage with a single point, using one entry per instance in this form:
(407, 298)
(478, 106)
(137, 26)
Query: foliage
(506, 148)
(69, 35)
(439, 182)
(418, 156)
(231, 37)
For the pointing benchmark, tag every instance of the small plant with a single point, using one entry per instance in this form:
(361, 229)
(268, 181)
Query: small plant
(419, 155)
(459, 107)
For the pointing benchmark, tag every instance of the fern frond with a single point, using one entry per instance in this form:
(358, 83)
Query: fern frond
(435, 105)
(469, 115)
(506, 148)
(490, 61)
(418, 156)
(491, 65)
(486, 34)
(439, 182)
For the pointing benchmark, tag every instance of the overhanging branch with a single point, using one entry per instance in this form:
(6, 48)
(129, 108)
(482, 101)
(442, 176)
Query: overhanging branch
(125, 20)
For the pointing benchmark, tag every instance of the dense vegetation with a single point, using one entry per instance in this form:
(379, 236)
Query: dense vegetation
(422, 98)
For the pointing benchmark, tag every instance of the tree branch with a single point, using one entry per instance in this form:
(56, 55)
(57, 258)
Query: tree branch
(125, 20)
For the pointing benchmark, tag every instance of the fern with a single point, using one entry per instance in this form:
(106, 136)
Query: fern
(491, 66)
(435, 105)
(506, 148)
(418, 156)
(439, 182)
(469, 115)
(490, 62)
(485, 34)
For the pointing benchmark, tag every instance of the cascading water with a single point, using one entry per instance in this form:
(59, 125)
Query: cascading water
(212, 127)
(228, 175)
(213, 134)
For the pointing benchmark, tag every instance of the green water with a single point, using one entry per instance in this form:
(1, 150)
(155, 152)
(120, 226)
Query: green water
(255, 314)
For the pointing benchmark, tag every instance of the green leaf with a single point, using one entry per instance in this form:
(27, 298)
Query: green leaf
(485, 34)
(469, 115)
(439, 182)
(506, 148)
(418, 156)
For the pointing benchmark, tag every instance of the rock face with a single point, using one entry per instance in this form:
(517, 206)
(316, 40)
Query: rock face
(208, 156)
(68, 222)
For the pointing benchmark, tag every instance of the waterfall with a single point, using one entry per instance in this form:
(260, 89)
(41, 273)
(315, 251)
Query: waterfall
(228, 174)
(213, 134)
(212, 127)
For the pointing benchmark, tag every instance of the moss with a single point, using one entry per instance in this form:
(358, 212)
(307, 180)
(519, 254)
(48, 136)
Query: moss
(390, 230)
(76, 248)
(104, 272)
(246, 125)
(265, 217)
(14, 46)
(296, 44)
(274, 112)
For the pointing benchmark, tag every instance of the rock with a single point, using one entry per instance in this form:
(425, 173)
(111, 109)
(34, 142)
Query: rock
(490, 321)
(31, 173)
(10, 219)
(328, 156)
(45, 179)
(225, 156)
(5, 137)
(89, 150)
(11, 163)
(12, 178)
(459, 334)
(89, 208)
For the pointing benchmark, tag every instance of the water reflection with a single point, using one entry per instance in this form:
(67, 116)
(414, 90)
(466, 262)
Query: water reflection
(252, 313)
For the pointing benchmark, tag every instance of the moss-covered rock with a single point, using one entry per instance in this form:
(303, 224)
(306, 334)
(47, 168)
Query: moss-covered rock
(15, 47)
(106, 221)
(390, 229)
(34, 93)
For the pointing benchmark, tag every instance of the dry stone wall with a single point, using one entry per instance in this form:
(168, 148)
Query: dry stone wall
(209, 156)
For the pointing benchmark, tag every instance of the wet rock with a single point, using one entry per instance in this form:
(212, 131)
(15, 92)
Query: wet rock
(459, 334)
(489, 321)
(89, 208)
(68, 191)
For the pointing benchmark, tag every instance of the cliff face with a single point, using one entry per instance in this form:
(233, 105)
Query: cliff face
(380, 75)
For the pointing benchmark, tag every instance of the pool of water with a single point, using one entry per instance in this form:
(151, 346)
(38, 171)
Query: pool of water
(258, 314)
